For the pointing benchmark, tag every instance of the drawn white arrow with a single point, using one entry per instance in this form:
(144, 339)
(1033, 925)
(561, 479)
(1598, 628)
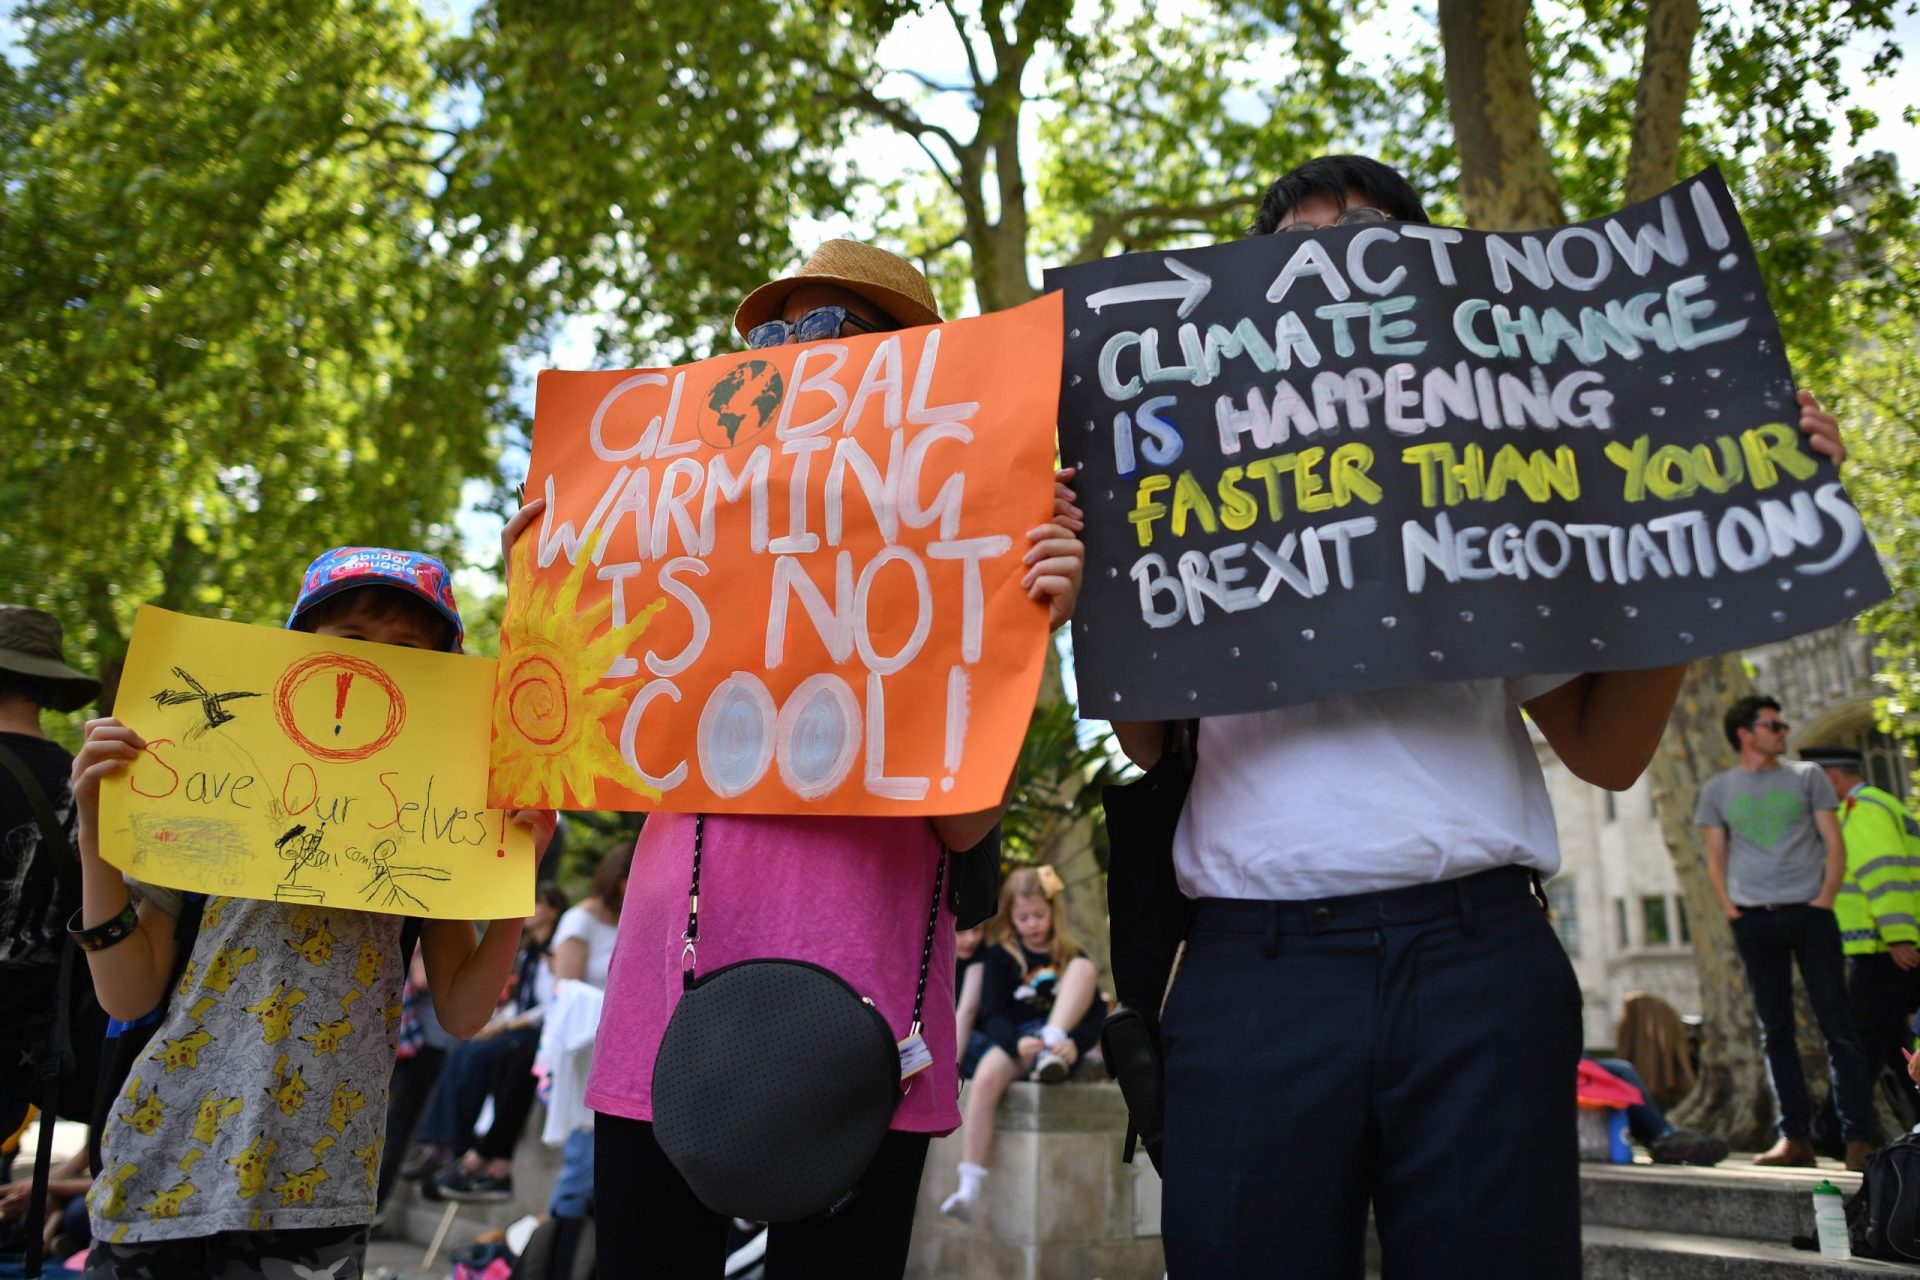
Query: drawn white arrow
(1190, 288)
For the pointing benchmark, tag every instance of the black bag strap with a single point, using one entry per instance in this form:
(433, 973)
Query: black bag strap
(65, 869)
(689, 962)
(50, 1067)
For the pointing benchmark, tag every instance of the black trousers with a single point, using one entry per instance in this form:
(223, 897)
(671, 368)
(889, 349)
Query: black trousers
(407, 1096)
(1414, 1049)
(1883, 997)
(1771, 942)
(651, 1224)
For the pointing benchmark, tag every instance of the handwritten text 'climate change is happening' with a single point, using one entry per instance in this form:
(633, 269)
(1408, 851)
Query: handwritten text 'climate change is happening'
(853, 538)
(1354, 306)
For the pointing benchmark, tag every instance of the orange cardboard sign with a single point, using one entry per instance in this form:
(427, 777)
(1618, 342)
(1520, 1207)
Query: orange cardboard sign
(784, 580)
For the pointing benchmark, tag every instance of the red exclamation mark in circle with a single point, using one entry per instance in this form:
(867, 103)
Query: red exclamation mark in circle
(340, 684)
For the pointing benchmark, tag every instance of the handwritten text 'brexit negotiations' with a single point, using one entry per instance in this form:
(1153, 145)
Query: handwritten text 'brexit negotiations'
(1325, 462)
(784, 580)
(321, 772)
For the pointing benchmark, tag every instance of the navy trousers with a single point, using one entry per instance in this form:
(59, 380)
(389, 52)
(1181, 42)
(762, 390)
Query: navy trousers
(1414, 1049)
(1771, 941)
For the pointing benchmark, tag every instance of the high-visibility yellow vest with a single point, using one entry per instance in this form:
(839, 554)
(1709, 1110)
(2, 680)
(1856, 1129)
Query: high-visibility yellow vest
(1879, 903)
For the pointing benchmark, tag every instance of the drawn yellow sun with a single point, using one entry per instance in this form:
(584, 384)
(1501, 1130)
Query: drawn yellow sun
(549, 702)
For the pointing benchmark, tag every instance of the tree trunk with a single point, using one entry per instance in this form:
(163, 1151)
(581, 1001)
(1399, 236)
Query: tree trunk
(1506, 173)
(1666, 80)
(1732, 1099)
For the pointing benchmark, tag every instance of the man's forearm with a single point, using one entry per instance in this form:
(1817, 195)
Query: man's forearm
(1717, 876)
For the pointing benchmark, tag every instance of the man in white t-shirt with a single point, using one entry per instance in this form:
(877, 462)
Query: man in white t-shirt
(1373, 1007)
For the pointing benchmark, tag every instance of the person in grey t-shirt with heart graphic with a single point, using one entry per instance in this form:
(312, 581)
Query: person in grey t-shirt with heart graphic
(1776, 860)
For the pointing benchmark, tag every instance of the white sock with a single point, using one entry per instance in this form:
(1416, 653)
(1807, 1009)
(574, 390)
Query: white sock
(1051, 1036)
(962, 1203)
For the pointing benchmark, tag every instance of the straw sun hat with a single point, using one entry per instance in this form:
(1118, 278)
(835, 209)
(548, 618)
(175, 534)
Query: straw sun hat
(887, 280)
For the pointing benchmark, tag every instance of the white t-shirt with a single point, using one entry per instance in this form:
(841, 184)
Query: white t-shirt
(577, 922)
(1377, 791)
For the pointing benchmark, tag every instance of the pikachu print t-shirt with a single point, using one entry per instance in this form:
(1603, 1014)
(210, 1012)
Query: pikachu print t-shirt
(261, 1101)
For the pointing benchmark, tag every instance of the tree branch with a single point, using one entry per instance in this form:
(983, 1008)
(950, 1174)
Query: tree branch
(966, 43)
(1666, 77)
(1108, 226)
(860, 97)
(926, 80)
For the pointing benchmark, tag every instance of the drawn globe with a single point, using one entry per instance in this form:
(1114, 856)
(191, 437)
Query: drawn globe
(742, 404)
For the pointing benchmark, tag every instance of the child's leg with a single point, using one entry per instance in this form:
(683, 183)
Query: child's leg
(996, 1071)
(1075, 998)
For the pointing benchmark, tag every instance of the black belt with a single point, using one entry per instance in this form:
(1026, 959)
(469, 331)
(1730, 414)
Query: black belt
(1409, 905)
(1770, 906)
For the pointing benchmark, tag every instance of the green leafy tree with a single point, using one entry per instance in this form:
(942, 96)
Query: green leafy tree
(233, 331)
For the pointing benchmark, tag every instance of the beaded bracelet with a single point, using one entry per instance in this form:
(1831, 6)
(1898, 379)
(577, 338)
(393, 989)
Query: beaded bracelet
(102, 936)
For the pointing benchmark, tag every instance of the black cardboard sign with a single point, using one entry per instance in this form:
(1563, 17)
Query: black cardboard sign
(1316, 464)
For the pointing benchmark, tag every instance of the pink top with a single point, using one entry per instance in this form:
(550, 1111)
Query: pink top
(847, 894)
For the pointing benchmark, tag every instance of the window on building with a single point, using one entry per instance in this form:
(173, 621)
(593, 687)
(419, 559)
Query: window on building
(1680, 918)
(1566, 916)
(1653, 922)
(1622, 937)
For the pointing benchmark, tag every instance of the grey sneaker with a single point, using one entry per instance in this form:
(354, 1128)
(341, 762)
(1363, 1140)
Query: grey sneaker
(1050, 1067)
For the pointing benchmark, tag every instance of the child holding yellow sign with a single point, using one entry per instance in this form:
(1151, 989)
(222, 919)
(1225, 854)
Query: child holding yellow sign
(252, 1129)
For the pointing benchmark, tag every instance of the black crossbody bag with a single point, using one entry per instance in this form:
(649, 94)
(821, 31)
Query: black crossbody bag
(775, 1081)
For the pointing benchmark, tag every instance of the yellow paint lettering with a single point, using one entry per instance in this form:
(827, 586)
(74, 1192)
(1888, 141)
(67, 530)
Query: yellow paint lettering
(1238, 510)
(1145, 509)
(1349, 467)
(1309, 489)
(1190, 499)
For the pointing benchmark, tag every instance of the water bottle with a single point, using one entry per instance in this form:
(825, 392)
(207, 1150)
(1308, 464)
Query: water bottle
(1830, 1222)
(1618, 1151)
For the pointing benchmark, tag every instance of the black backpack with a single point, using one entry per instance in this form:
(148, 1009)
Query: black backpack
(1883, 1217)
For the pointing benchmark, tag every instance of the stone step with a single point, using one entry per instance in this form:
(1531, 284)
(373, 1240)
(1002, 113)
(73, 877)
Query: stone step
(1734, 1200)
(1620, 1253)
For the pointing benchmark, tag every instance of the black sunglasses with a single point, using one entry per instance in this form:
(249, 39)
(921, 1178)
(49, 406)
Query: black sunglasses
(821, 322)
(1771, 726)
(1351, 218)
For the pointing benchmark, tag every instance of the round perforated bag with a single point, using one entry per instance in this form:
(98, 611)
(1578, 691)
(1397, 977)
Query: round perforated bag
(773, 1086)
(775, 1081)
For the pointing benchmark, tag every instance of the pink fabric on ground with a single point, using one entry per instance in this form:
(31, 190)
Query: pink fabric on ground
(847, 894)
(1598, 1087)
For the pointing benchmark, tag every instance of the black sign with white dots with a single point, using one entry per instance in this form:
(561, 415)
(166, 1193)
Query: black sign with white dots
(1381, 454)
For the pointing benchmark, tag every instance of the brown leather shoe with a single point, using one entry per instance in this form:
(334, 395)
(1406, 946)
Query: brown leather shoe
(1858, 1153)
(1788, 1153)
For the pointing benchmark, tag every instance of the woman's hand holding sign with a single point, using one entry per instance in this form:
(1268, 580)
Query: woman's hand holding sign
(1057, 557)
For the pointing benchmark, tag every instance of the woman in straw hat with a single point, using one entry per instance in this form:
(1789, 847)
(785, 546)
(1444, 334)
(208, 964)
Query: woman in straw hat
(849, 894)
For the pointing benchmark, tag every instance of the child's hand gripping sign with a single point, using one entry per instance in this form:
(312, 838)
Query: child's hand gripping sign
(784, 580)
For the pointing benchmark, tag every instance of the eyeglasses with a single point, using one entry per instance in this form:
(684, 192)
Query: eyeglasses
(1356, 217)
(821, 322)
(1771, 726)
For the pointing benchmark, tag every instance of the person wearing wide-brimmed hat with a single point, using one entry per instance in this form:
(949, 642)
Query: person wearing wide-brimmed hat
(35, 899)
(849, 895)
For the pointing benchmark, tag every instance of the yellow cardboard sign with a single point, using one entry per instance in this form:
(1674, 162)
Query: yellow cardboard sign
(298, 768)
